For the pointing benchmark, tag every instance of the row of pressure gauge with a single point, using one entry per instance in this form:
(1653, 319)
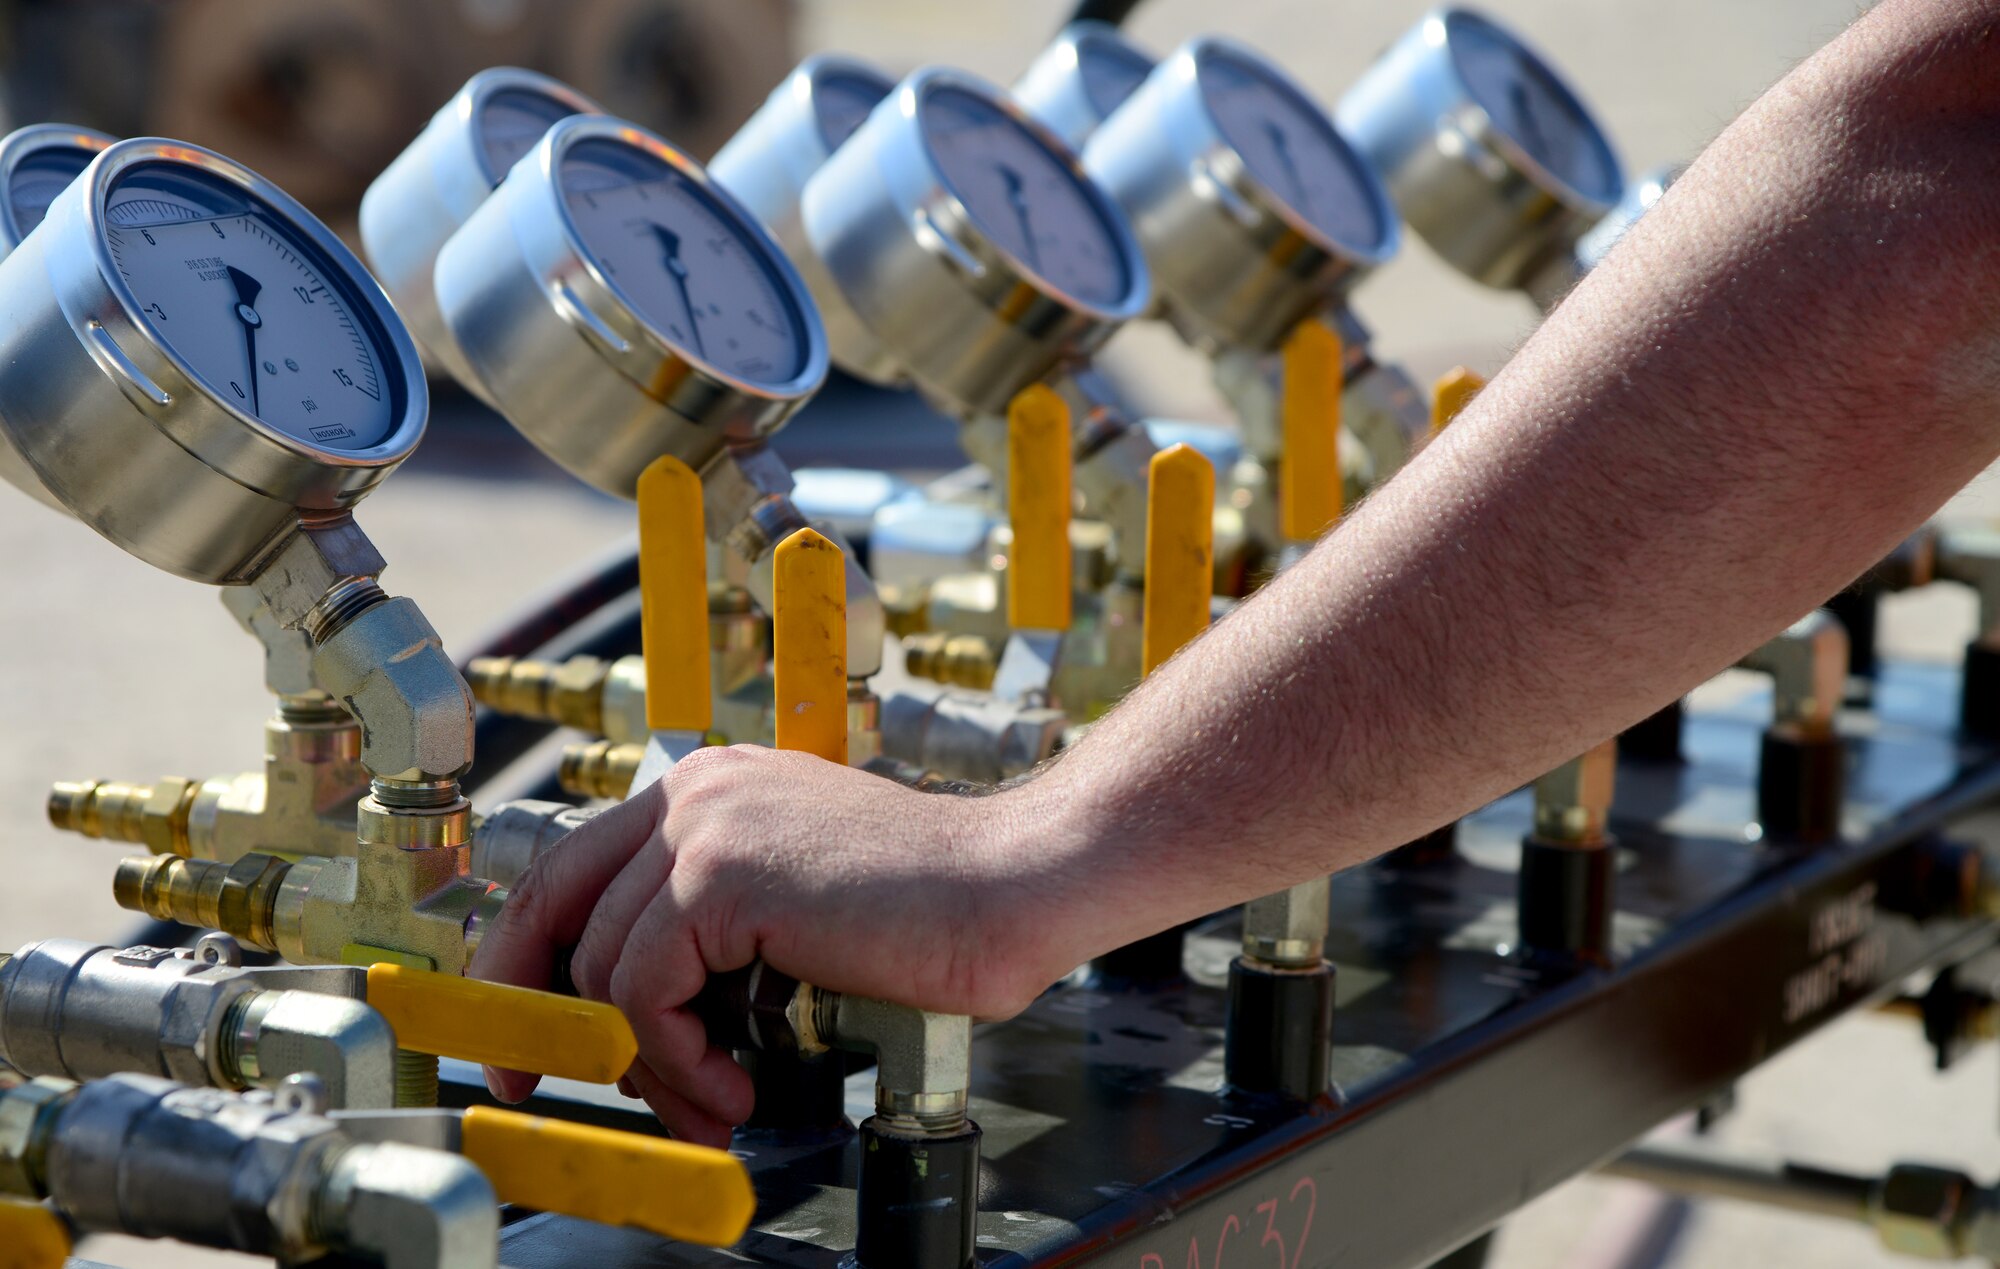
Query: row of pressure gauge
(189, 360)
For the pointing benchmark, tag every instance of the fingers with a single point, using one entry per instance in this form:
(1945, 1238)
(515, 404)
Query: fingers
(550, 908)
(683, 1117)
(603, 941)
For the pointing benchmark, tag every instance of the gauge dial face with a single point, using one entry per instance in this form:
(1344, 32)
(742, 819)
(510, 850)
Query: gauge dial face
(270, 325)
(685, 263)
(35, 181)
(1112, 70)
(1533, 108)
(1024, 195)
(510, 122)
(842, 99)
(1289, 148)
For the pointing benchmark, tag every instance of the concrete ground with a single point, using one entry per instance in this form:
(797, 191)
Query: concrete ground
(109, 669)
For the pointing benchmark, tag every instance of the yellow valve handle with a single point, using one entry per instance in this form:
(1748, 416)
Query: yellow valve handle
(1454, 391)
(692, 1193)
(1038, 507)
(498, 1025)
(1309, 488)
(809, 645)
(673, 597)
(31, 1236)
(1180, 551)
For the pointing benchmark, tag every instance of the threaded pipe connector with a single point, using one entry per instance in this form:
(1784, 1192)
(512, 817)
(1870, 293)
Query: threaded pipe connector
(239, 898)
(569, 693)
(967, 661)
(342, 603)
(416, 1080)
(152, 815)
(600, 769)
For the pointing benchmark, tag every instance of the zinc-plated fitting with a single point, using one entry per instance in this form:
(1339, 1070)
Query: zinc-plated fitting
(1808, 669)
(244, 1172)
(516, 833)
(1573, 802)
(1288, 929)
(955, 660)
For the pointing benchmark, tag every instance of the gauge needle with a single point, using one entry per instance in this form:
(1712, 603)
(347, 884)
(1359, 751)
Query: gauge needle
(247, 291)
(670, 242)
(1284, 149)
(1531, 128)
(1016, 196)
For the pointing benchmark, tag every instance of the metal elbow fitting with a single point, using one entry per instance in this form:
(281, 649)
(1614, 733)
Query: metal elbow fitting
(388, 667)
(923, 1060)
(413, 1208)
(968, 736)
(257, 1173)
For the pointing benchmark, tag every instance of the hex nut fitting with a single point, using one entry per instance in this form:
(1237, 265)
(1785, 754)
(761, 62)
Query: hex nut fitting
(389, 669)
(1921, 1209)
(1289, 928)
(25, 1113)
(1573, 802)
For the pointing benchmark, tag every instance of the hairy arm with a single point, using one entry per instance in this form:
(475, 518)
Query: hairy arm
(1784, 368)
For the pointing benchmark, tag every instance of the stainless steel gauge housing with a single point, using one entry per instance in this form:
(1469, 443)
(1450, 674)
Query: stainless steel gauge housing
(776, 151)
(1239, 261)
(1080, 78)
(941, 295)
(36, 163)
(1489, 154)
(441, 178)
(572, 347)
(127, 412)
(1640, 195)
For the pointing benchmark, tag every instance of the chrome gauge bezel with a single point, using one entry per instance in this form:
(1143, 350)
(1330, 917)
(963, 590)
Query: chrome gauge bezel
(1474, 193)
(556, 347)
(1237, 266)
(938, 301)
(1054, 89)
(24, 143)
(432, 188)
(767, 163)
(127, 435)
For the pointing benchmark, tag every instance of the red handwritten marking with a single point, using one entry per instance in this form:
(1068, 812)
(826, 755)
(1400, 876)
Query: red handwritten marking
(1234, 1224)
(1271, 1235)
(1312, 1205)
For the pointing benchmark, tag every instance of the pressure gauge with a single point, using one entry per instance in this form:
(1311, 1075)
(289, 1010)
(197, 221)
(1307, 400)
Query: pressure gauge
(1640, 195)
(435, 185)
(37, 163)
(190, 361)
(968, 243)
(1487, 152)
(616, 304)
(1082, 77)
(1253, 210)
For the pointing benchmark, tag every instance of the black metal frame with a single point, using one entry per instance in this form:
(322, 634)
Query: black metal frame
(1472, 1077)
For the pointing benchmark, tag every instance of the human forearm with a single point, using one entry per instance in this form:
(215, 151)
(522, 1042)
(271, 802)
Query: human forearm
(1788, 365)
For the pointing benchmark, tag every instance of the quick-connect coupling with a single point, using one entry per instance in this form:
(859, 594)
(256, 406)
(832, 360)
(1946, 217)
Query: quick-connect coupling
(238, 899)
(151, 815)
(567, 693)
(955, 660)
(599, 769)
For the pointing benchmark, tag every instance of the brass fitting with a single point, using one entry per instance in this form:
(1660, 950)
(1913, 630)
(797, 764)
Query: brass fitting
(301, 803)
(600, 769)
(152, 815)
(955, 660)
(1573, 802)
(237, 898)
(568, 693)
